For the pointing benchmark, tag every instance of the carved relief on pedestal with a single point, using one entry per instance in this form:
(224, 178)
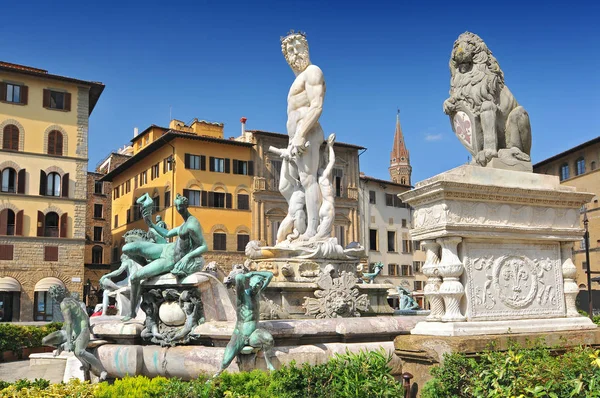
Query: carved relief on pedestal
(493, 214)
(512, 280)
(569, 272)
(434, 281)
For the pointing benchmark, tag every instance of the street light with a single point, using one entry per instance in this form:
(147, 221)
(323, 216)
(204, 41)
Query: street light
(586, 240)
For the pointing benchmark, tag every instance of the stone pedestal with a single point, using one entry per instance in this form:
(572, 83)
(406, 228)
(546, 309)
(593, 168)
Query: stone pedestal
(499, 241)
(419, 354)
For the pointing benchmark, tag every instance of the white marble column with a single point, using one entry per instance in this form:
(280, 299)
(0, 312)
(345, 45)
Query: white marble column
(432, 287)
(569, 272)
(450, 269)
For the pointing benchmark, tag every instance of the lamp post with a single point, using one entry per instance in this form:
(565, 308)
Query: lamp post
(586, 240)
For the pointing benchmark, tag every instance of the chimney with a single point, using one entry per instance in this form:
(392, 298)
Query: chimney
(135, 131)
(243, 121)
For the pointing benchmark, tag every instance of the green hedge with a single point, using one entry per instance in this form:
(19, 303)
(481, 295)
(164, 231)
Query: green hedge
(364, 375)
(16, 337)
(518, 372)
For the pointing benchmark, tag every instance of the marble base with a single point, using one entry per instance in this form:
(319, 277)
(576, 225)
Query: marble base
(72, 367)
(312, 341)
(520, 326)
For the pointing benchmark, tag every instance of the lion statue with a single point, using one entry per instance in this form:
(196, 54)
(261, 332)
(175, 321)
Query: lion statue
(500, 125)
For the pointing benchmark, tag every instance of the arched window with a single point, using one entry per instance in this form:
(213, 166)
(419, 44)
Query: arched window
(7, 222)
(51, 225)
(53, 184)
(10, 139)
(403, 181)
(55, 143)
(9, 180)
(97, 254)
(579, 166)
(564, 172)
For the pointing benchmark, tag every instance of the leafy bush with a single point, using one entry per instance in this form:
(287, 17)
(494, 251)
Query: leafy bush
(365, 374)
(74, 388)
(16, 337)
(526, 372)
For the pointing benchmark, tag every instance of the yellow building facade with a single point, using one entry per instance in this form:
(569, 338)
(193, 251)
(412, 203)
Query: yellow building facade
(579, 167)
(43, 165)
(194, 160)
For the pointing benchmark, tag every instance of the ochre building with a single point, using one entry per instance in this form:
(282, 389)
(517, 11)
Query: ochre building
(43, 168)
(194, 160)
(579, 167)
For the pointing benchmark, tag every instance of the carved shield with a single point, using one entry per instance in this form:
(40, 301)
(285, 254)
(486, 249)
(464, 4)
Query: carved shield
(467, 129)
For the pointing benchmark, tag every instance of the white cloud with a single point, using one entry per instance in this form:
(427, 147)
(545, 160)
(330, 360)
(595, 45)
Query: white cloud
(433, 137)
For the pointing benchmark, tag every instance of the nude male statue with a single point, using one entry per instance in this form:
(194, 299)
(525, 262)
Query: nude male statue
(75, 333)
(248, 288)
(178, 257)
(294, 223)
(327, 209)
(305, 105)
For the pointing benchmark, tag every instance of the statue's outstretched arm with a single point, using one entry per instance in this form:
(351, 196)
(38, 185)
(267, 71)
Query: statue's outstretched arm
(331, 162)
(265, 274)
(315, 91)
(116, 272)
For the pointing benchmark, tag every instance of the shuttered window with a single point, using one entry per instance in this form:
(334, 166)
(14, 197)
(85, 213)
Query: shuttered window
(14, 93)
(6, 252)
(9, 180)
(10, 137)
(55, 143)
(242, 241)
(57, 100)
(219, 241)
(50, 253)
(243, 202)
(8, 221)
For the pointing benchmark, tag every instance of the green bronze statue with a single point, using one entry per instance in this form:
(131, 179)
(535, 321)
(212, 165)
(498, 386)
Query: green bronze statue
(182, 257)
(248, 288)
(75, 334)
(407, 302)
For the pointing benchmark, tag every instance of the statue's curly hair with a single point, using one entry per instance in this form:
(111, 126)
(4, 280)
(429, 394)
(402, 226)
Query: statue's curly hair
(57, 292)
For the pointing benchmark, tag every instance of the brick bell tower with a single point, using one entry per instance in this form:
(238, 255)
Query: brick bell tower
(400, 169)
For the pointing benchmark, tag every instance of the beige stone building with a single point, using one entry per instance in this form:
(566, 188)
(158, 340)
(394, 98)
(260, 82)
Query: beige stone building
(43, 190)
(580, 167)
(269, 207)
(385, 222)
(98, 239)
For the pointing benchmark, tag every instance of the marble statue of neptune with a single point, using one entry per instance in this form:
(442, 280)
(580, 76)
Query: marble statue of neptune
(305, 105)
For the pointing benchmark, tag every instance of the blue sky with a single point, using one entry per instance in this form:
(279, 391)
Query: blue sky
(220, 61)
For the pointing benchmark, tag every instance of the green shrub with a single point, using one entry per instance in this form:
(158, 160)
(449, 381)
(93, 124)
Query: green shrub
(74, 388)
(364, 375)
(525, 372)
(16, 337)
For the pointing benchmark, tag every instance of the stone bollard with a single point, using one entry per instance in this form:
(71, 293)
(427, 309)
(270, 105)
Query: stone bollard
(451, 268)
(432, 287)
(569, 272)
